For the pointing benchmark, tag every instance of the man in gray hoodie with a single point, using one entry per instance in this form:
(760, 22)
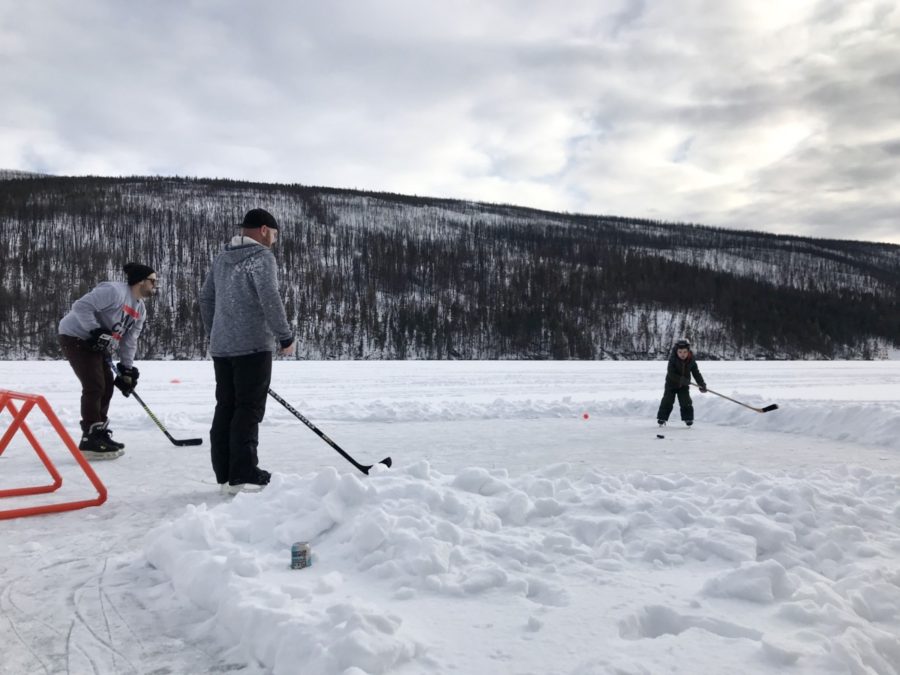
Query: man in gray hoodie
(244, 316)
(108, 319)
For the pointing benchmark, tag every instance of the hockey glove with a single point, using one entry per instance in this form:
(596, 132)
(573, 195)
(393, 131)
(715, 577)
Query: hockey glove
(101, 341)
(702, 388)
(127, 378)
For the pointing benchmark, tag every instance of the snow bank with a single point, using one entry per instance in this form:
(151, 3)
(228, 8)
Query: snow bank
(871, 423)
(867, 423)
(720, 560)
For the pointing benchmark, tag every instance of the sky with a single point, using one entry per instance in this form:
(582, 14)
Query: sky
(776, 116)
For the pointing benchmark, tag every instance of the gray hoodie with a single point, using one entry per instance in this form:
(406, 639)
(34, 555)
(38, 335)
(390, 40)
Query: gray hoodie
(239, 302)
(110, 306)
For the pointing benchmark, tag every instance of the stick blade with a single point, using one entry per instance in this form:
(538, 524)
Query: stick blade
(365, 469)
(770, 408)
(188, 441)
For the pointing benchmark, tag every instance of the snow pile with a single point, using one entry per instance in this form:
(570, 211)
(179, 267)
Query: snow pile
(751, 568)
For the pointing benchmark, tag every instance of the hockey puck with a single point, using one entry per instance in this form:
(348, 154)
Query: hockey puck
(660, 436)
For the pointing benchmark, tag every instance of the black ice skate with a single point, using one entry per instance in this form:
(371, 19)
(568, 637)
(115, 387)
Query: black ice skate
(96, 445)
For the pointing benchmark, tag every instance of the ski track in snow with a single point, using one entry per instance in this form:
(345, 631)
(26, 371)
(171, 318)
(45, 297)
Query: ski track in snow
(512, 535)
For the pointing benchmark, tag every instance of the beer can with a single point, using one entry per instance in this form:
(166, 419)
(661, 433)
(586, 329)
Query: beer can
(300, 555)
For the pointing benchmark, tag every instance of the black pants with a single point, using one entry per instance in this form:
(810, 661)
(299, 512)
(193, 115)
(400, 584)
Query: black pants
(242, 383)
(92, 370)
(684, 402)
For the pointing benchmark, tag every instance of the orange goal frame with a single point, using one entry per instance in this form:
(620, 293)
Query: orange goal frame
(29, 401)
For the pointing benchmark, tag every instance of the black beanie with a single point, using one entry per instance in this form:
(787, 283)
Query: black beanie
(257, 218)
(136, 272)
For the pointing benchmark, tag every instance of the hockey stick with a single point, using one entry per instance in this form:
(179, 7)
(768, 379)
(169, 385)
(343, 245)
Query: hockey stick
(175, 441)
(362, 467)
(768, 408)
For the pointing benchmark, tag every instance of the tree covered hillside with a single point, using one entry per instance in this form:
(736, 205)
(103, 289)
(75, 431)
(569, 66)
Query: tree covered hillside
(387, 276)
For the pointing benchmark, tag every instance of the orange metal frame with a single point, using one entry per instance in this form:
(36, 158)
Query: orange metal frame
(29, 401)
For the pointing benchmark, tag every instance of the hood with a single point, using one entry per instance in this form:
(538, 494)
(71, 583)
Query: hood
(240, 249)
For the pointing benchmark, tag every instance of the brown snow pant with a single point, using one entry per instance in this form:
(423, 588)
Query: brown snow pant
(95, 376)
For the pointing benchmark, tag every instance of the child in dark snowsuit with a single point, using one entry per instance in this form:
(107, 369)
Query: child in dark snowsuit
(678, 379)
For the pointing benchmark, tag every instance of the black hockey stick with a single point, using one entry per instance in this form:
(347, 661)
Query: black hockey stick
(175, 441)
(362, 467)
(768, 408)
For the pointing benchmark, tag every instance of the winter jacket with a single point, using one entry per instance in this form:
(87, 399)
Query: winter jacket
(112, 307)
(679, 372)
(239, 302)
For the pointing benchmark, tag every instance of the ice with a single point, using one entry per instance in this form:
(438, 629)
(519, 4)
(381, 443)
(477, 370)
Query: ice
(511, 534)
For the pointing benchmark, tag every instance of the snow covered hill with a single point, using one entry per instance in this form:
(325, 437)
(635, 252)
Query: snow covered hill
(384, 276)
(12, 174)
(533, 522)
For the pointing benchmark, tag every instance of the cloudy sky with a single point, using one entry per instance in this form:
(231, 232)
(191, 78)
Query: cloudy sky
(780, 115)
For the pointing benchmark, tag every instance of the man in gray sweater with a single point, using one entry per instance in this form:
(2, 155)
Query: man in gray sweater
(244, 316)
(108, 319)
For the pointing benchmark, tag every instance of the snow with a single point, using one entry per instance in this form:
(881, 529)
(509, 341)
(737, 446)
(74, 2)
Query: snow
(511, 535)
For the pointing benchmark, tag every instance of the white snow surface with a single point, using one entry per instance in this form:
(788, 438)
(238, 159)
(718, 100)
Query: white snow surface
(512, 535)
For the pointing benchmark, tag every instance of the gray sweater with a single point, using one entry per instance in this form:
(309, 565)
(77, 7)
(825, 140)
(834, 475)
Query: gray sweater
(239, 302)
(110, 306)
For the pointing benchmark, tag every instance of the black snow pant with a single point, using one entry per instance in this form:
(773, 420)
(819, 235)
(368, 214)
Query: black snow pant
(92, 370)
(684, 402)
(242, 383)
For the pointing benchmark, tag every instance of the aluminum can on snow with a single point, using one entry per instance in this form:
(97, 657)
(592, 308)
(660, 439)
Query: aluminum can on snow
(300, 555)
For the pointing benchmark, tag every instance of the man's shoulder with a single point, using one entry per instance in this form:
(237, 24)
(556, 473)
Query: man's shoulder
(117, 285)
(112, 288)
(261, 254)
